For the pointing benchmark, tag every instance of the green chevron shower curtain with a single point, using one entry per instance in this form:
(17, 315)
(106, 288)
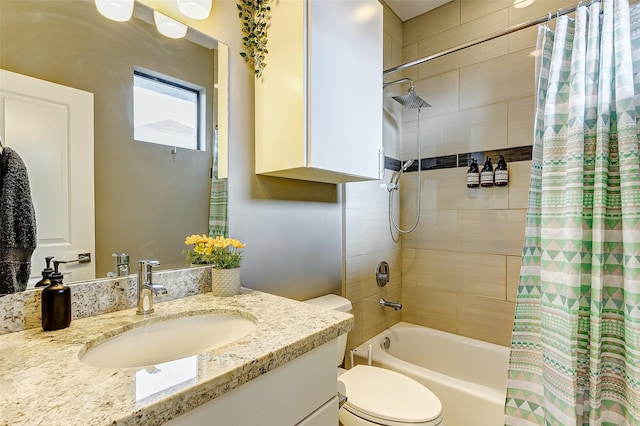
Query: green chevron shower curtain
(219, 198)
(575, 349)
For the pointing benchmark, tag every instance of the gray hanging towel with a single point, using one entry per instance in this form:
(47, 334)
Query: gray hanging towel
(17, 223)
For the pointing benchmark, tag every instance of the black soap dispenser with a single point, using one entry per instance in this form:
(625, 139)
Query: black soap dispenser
(56, 302)
(501, 173)
(473, 175)
(46, 273)
(486, 175)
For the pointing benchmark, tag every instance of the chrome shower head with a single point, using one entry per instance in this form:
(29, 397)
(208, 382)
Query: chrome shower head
(411, 100)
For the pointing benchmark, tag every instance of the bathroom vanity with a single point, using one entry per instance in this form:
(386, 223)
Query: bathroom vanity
(281, 373)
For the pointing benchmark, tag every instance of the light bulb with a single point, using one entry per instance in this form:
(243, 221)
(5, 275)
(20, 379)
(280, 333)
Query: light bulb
(169, 27)
(116, 10)
(196, 9)
(519, 4)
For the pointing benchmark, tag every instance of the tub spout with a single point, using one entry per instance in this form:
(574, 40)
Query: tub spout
(386, 304)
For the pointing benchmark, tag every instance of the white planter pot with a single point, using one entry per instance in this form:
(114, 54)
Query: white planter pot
(225, 282)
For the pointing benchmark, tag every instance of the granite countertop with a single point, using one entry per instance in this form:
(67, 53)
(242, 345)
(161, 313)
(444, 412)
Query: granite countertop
(42, 380)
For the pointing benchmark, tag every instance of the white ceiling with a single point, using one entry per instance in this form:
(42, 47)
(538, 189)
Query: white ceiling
(407, 9)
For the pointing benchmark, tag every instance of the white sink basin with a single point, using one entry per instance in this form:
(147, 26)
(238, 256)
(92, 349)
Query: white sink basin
(167, 340)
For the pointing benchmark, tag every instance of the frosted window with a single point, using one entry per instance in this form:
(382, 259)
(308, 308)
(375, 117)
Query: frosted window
(166, 112)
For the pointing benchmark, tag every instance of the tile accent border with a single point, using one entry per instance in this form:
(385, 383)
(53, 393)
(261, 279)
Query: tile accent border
(522, 153)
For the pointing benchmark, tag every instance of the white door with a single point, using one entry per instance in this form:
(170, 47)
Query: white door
(51, 127)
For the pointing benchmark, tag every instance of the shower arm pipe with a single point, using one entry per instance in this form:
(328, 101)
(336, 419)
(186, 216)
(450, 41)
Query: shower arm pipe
(402, 80)
(490, 37)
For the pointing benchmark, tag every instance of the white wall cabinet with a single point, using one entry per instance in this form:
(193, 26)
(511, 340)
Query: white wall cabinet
(319, 102)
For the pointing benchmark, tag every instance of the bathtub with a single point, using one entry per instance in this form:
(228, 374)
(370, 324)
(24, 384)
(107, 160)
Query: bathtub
(468, 376)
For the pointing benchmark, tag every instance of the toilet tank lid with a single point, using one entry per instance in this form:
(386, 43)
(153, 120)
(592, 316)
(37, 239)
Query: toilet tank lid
(331, 301)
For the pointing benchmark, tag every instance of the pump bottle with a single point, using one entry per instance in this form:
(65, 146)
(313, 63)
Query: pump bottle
(46, 273)
(486, 175)
(501, 173)
(473, 175)
(56, 302)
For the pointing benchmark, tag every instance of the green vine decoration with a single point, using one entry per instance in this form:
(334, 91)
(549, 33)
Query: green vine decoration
(254, 15)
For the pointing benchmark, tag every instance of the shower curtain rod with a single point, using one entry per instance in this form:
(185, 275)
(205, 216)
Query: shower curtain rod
(460, 47)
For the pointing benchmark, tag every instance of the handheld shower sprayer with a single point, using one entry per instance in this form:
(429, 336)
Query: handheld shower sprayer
(407, 164)
(395, 178)
(393, 183)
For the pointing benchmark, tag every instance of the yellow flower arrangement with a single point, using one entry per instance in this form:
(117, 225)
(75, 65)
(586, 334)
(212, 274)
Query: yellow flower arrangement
(220, 252)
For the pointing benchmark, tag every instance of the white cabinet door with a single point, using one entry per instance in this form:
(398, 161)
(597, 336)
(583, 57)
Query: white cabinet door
(318, 105)
(345, 86)
(51, 127)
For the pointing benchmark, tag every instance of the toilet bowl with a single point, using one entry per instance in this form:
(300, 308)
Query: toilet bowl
(376, 396)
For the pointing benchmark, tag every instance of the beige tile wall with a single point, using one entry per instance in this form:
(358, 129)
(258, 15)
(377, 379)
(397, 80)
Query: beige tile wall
(461, 266)
(367, 242)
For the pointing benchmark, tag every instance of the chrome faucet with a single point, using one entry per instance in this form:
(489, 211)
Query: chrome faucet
(146, 287)
(122, 265)
(386, 304)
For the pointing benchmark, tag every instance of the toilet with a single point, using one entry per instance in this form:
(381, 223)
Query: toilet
(377, 396)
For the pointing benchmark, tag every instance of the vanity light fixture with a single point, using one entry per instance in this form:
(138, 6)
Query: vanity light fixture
(519, 4)
(169, 27)
(116, 10)
(196, 9)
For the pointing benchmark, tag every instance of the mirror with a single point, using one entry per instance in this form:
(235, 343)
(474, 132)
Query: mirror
(148, 197)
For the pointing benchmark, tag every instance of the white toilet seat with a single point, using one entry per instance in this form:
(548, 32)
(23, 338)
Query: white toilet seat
(389, 398)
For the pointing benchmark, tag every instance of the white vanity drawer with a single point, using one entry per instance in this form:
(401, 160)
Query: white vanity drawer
(324, 416)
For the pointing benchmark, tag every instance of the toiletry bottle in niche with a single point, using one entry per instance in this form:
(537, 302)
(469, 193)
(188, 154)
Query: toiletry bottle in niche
(501, 174)
(46, 273)
(473, 175)
(56, 302)
(486, 175)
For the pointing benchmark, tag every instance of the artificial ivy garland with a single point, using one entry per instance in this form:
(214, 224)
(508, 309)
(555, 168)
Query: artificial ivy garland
(254, 15)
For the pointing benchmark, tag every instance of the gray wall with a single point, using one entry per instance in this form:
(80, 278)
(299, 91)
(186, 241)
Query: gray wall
(293, 231)
(292, 228)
